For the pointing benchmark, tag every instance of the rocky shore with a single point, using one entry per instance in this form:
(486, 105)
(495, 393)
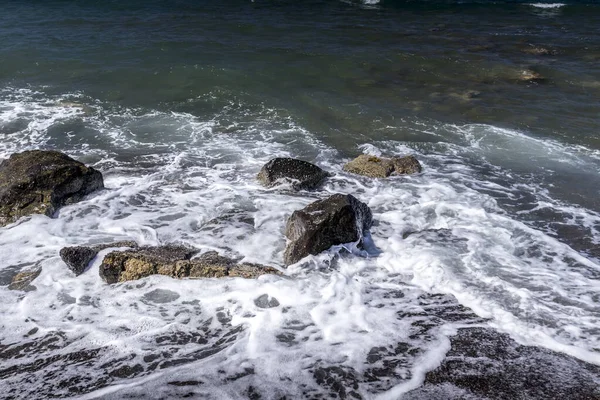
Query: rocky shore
(481, 363)
(40, 182)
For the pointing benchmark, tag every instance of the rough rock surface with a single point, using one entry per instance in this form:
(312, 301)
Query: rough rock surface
(40, 182)
(378, 167)
(77, 258)
(301, 174)
(175, 261)
(406, 165)
(484, 364)
(22, 280)
(371, 166)
(336, 220)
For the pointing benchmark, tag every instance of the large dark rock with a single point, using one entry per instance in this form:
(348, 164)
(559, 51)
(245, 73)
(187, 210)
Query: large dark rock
(379, 167)
(77, 258)
(301, 174)
(40, 182)
(336, 220)
(174, 261)
(485, 364)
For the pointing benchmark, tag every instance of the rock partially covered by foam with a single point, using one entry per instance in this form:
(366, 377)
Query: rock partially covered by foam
(378, 167)
(40, 182)
(301, 174)
(175, 261)
(338, 219)
(22, 280)
(77, 258)
(484, 364)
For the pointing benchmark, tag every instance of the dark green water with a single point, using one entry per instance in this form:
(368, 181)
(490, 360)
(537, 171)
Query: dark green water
(179, 103)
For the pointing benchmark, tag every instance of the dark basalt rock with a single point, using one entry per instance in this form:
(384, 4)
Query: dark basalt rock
(174, 261)
(378, 167)
(336, 220)
(77, 258)
(301, 174)
(484, 364)
(22, 280)
(40, 182)
(265, 301)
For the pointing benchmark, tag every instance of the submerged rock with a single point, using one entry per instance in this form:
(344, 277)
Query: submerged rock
(528, 75)
(484, 364)
(22, 280)
(40, 182)
(77, 258)
(174, 261)
(301, 174)
(539, 51)
(336, 220)
(265, 301)
(378, 167)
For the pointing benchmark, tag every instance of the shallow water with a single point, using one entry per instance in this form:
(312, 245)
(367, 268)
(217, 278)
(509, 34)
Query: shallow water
(180, 105)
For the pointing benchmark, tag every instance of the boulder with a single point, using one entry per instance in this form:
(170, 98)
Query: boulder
(40, 182)
(77, 258)
(174, 261)
(378, 167)
(301, 174)
(371, 166)
(338, 219)
(406, 165)
(22, 280)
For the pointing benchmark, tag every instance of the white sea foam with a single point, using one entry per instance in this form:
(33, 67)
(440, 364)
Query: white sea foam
(442, 231)
(547, 5)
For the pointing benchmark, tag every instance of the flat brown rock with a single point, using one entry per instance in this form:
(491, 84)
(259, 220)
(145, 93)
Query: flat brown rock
(22, 280)
(379, 167)
(176, 262)
(370, 166)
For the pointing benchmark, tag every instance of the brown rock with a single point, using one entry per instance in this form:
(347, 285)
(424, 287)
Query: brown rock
(377, 167)
(370, 166)
(406, 165)
(174, 261)
(22, 280)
